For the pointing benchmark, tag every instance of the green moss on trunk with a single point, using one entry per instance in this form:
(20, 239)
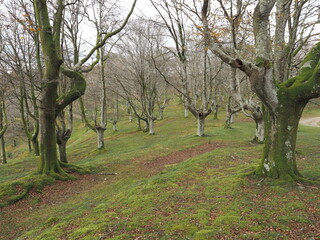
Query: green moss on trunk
(278, 160)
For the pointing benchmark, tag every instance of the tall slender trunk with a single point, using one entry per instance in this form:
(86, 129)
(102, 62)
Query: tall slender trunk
(278, 159)
(35, 146)
(215, 114)
(200, 124)
(29, 145)
(3, 150)
(161, 113)
(139, 123)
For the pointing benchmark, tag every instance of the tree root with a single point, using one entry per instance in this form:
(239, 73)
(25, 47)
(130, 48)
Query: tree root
(74, 168)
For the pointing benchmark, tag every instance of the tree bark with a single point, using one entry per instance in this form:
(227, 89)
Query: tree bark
(161, 113)
(3, 151)
(186, 112)
(63, 152)
(100, 137)
(200, 124)
(259, 136)
(151, 126)
(215, 113)
(62, 139)
(278, 160)
(49, 163)
(35, 146)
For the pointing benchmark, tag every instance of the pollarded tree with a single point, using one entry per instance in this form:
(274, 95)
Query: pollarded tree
(283, 92)
(51, 104)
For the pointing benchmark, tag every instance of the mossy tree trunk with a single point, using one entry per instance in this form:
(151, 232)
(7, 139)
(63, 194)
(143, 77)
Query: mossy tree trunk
(3, 150)
(51, 104)
(278, 160)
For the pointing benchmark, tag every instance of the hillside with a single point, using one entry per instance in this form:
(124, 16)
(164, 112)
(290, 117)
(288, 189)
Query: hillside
(172, 185)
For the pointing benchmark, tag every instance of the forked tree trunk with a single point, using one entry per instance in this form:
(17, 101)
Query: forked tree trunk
(200, 124)
(278, 159)
(100, 136)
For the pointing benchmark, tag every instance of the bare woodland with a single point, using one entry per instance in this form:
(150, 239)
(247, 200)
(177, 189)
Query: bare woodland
(258, 58)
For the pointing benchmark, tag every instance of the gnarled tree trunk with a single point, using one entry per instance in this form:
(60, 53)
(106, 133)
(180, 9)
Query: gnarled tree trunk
(278, 160)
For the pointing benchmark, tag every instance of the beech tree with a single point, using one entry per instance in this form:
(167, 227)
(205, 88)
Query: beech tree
(20, 63)
(3, 123)
(197, 73)
(105, 19)
(51, 104)
(138, 77)
(283, 91)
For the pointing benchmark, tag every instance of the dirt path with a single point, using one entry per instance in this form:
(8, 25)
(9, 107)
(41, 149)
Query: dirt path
(312, 122)
(12, 216)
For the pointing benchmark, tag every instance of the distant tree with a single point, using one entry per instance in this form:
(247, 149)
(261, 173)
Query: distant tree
(3, 125)
(138, 77)
(20, 61)
(195, 70)
(104, 19)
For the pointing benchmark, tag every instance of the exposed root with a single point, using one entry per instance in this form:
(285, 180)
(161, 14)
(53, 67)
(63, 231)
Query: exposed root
(74, 168)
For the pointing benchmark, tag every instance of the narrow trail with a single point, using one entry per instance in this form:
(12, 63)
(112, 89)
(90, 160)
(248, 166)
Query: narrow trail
(312, 122)
(61, 191)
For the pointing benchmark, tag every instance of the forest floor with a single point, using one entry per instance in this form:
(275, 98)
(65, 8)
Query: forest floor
(180, 188)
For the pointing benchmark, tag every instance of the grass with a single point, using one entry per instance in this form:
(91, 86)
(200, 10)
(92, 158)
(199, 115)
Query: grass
(204, 197)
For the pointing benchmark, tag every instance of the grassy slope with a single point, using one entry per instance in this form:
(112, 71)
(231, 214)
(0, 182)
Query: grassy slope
(205, 197)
